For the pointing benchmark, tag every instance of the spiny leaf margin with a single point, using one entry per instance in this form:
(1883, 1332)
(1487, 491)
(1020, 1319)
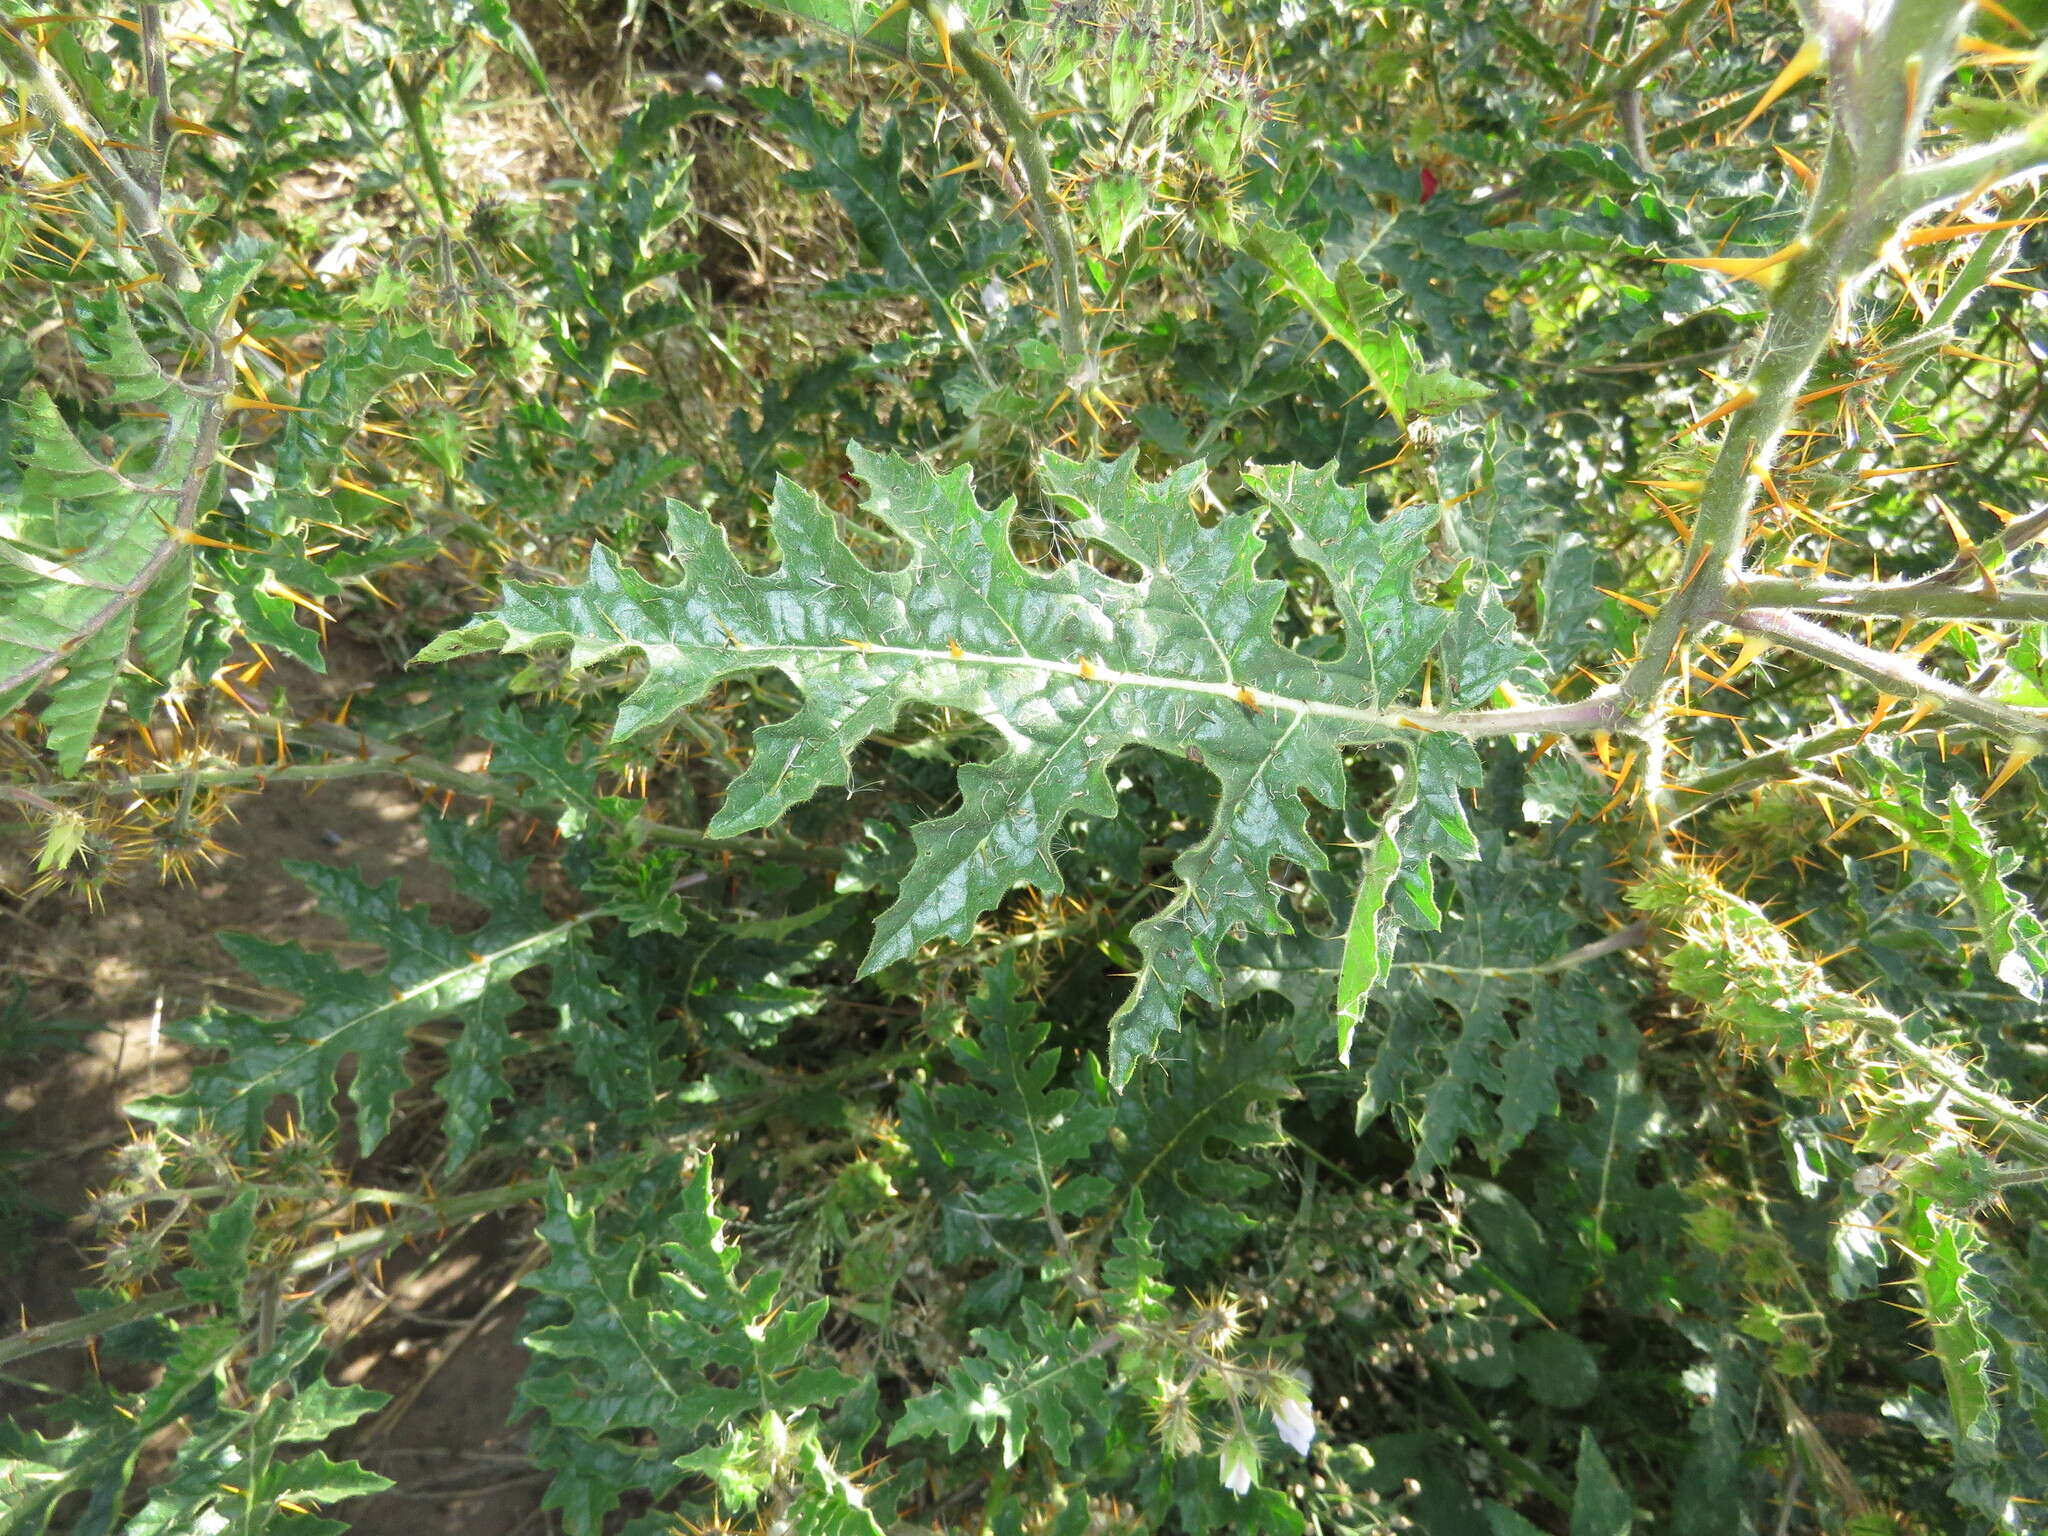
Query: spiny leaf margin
(1069, 665)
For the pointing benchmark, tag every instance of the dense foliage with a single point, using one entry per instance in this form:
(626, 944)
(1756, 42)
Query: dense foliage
(1292, 750)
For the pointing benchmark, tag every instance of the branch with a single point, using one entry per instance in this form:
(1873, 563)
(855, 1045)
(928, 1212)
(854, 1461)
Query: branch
(137, 206)
(1801, 321)
(1046, 210)
(1971, 171)
(1632, 72)
(1892, 674)
(1631, 937)
(377, 755)
(156, 80)
(1712, 787)
(352, 1245)
(1883, 74)
(2017, 1124)
(1935, 597)
(1993, 554)
(1990, 257)
(1601, 712)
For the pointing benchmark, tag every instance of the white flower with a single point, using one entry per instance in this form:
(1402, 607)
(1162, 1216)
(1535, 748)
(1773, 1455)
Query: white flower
(1238, 1465)
(1295, 1422)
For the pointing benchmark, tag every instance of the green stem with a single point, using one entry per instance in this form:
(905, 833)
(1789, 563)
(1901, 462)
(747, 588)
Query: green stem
(366, 755)
(1801, 321)
(391, 759)
(1046, 210)
(1993, 554)
(1900, 600)
(138, 208)
(1971, 170)
(156, 81)
(76, 1330)
(1631, 73)
(411, 100)
(1711, 788)
(1989, 257)
(1881, 85)
(2014, 1124)
(1630, 937)
(1892, 674)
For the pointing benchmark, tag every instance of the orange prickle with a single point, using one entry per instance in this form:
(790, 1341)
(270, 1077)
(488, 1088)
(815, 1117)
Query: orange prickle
(1749, 268)
(2021, 755)
(1940, 232)
(1808, 177)
(187, 536)
(942, 31)
(1993, 9)
(1752, 648)
(1634, 602)
(1993, 55)
(1728, 407)
(1902, 469)
(1797, 68)
(1919, 713)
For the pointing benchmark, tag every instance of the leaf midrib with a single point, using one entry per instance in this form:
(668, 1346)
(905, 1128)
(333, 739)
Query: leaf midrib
(408, 996)
(1086, 670)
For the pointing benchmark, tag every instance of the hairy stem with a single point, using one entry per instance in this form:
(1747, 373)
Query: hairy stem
(1882, 77)
(2015, 1124)
(1990, 257)
(156, 80)
(1047, 213)
(1930, 599)
(412, 94)
(1892, 674)
(377, 756)
(1995, 552)
(138, 207)
(1628, 77)
(1630, 937)
(1971, 170)
(1709, 789)
(1801, 321)
(350, 1245)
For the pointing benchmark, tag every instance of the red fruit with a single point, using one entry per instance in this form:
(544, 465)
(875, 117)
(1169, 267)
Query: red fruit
(1428, 183)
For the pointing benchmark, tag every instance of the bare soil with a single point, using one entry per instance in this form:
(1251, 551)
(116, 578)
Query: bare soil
(443, 1336)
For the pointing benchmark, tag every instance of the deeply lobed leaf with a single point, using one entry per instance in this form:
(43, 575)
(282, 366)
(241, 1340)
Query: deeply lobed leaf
(1069, 665)
(681, 1367)
(1009, 1138)
(92, 569)
(430, 972)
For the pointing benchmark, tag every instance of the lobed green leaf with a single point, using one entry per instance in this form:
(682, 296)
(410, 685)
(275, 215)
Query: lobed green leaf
(1070, 666)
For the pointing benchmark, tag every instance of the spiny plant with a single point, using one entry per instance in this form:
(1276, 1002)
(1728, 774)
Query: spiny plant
(1188, 925)
(1072, 666)
(1177, 650)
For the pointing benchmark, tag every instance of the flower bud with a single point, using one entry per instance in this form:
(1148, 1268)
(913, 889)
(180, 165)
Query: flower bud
(1294, 1418)
(1173, 1420)
(1238, 1463)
